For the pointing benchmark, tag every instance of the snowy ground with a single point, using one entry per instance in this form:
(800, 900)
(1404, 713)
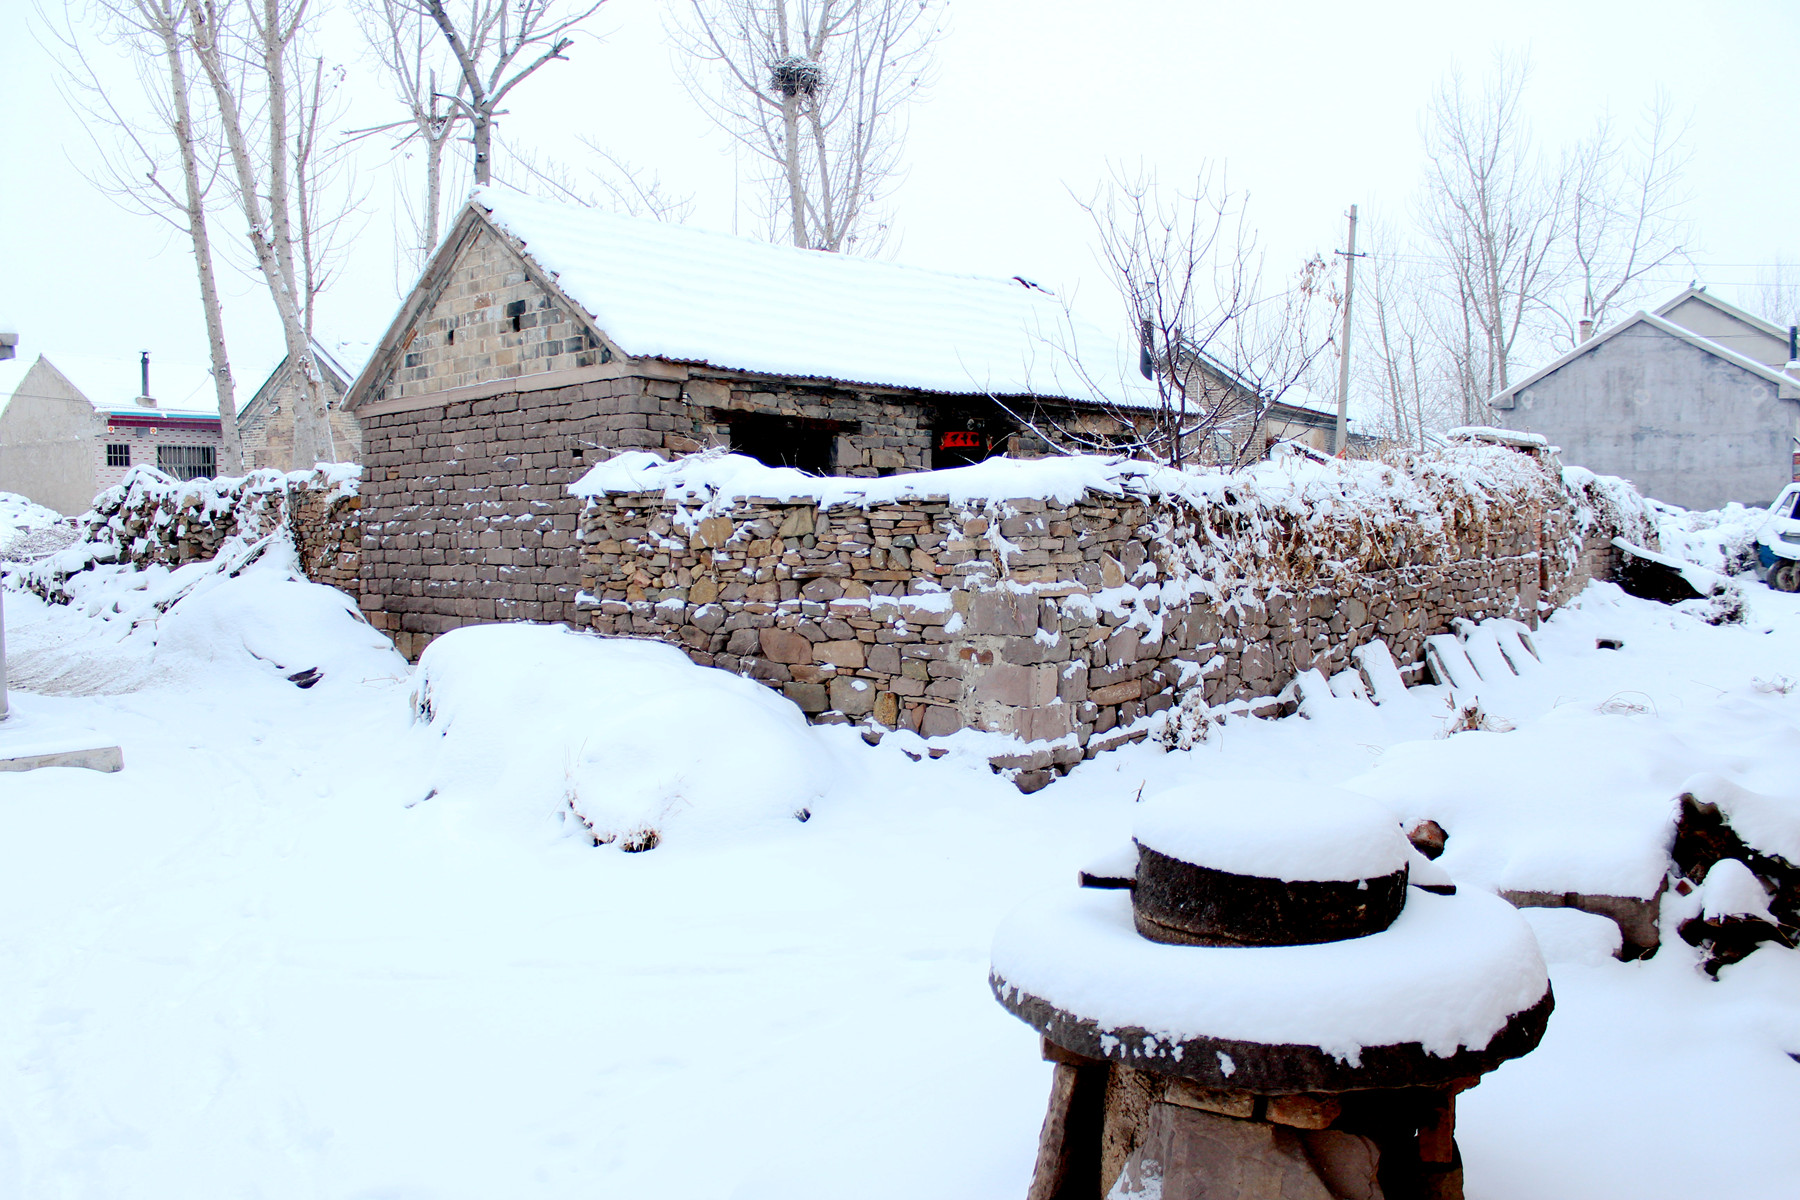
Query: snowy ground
(306, 945)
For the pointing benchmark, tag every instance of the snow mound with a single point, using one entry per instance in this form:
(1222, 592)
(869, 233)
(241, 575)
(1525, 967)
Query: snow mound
(1274, 831)
(1569, 935)
(1732, 890)
(1447, 974)
(247, 614)
(20, 520)
(627, 738)
(309, 633)
(1721, 540)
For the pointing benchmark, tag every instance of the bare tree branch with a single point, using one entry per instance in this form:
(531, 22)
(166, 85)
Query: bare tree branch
(816, 91)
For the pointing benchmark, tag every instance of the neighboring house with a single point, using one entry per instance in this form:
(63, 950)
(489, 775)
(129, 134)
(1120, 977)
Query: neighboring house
(1692, 403)
(543, 337)
(72, 427)
(266, 424)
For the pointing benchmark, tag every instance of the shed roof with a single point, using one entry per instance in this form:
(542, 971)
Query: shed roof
(690, 295)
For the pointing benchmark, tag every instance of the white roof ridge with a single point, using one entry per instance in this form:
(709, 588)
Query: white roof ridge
(1665, 325)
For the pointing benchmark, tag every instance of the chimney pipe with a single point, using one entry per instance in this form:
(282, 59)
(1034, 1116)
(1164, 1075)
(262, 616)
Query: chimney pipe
(1587, 328)
(1146, 335)
(145, 368)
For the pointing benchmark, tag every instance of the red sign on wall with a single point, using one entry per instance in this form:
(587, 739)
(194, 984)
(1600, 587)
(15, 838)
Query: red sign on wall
(960, 439)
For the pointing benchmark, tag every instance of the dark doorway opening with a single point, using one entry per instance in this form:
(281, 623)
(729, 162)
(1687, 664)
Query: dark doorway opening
(784, 441)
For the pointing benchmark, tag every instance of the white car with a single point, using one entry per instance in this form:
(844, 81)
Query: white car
(1778, 542)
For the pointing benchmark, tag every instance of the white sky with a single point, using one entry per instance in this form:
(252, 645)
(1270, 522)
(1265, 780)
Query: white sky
(1308, 106)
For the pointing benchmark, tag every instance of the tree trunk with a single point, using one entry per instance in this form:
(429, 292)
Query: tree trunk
(231, 458)
(790, 124)
(309, 411)
(484, 140)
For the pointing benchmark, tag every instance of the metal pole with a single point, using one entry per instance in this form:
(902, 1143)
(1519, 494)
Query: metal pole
(1343, 417)
(4, 711)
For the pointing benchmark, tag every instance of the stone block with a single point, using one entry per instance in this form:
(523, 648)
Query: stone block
(847, 654)
(1007, 614)
(783, 646)
(1045, 723)
(852, 696)
(1020, 687)
(940, 720)
(811, 697)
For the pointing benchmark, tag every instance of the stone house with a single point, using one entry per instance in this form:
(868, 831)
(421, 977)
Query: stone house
(1697, 404)
(543, 338)
(72, 428)
(266, 423)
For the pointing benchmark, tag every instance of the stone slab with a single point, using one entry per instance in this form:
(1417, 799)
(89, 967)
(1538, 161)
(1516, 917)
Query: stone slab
(92, 758)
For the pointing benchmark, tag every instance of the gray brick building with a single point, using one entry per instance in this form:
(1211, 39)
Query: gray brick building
(543, 338)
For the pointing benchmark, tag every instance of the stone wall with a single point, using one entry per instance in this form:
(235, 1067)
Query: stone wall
(468, 517)
(1068, 626)
(150, 519)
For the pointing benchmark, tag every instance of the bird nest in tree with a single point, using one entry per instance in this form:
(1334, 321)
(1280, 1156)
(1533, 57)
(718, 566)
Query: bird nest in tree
(792, 75)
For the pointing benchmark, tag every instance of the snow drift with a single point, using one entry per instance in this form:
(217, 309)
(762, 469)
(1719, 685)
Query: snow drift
(626, 738)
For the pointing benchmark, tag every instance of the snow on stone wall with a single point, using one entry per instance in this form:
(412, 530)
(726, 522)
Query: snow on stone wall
(149, 518)
(1064, 604)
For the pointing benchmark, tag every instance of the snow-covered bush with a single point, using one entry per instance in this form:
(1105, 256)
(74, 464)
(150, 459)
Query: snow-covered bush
(625, 738)
(1722, 540)
(150, 519)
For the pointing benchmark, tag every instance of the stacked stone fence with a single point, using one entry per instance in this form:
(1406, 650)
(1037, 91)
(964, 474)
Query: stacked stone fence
(1065, 627)
(151, 519)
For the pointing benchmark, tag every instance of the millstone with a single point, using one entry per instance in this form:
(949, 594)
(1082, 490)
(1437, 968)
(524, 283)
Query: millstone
(1179, 903)
(1274, 868)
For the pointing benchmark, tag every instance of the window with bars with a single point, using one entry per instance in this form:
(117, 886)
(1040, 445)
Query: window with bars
(118, 454)
(185, 462)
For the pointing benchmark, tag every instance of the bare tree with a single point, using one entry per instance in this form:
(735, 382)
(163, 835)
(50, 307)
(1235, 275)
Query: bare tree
(1407, 382)
(1778, 292)
(815, 90)
(1496, 217)
(271, 99)
(1218, 347)
(604, 181)
(134, 160)
(498, 45)
(1625, 213)
(419, 65)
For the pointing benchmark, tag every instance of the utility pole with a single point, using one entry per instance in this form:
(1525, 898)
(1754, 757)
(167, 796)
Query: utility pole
(1343, 422)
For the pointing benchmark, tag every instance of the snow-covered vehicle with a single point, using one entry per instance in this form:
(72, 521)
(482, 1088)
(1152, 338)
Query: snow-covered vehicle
(1778, 542)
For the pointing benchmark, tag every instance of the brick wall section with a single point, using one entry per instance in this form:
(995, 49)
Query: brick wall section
(915, 615)
(467, 514)
(468, 335)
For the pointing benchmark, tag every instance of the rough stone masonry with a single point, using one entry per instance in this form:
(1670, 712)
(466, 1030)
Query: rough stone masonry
(1066, 627)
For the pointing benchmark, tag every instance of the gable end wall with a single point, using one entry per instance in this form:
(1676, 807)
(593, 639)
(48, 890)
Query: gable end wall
(1685, 426)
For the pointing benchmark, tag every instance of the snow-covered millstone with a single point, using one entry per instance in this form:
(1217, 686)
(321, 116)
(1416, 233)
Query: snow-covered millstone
(1263, 865)
(1270, 1004)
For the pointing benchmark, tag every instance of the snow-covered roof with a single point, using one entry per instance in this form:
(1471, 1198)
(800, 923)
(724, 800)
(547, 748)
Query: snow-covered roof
(1666, 326)
(660, 290)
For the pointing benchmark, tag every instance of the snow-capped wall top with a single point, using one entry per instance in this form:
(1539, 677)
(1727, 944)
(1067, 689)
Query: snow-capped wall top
(714, 474)
(669, 291)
